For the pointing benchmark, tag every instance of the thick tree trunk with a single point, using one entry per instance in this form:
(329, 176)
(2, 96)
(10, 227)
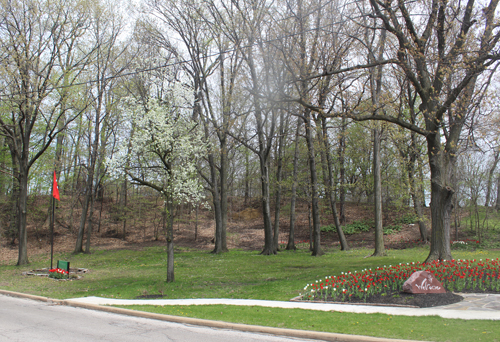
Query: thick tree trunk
(441, 208)
(441, 166)
(377, 182)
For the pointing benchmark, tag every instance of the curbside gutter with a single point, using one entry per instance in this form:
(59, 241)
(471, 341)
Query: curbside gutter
(305, 334)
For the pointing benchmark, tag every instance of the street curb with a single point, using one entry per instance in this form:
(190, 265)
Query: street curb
(306, 334)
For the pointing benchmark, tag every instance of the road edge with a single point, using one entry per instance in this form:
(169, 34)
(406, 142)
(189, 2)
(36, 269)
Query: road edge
(306, 334)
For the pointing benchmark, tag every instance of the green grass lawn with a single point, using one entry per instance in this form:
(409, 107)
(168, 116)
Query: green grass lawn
(246, 275)
(379, 325)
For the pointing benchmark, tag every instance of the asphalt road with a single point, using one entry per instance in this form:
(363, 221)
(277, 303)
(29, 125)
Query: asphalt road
(28, 320)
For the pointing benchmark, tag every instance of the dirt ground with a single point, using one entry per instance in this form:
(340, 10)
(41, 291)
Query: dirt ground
(245, 229)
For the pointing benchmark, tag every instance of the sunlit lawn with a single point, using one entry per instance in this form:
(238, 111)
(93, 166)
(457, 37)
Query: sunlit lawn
(241, 274)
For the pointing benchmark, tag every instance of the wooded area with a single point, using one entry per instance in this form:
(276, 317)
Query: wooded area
(393, 103)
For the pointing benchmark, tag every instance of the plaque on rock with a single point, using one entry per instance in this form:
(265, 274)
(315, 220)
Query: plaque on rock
(423, 282)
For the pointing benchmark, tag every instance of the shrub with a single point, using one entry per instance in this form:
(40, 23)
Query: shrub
(357, 227)
(329, 228)
(392, 229)
(407, 219)
(352, 228)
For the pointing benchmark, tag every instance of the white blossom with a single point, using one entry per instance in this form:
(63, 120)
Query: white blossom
(164, 146)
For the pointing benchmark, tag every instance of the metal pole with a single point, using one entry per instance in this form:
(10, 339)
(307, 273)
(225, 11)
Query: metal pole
(52, 217)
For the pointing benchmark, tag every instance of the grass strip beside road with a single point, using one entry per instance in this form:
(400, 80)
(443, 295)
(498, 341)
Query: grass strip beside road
(427, 328)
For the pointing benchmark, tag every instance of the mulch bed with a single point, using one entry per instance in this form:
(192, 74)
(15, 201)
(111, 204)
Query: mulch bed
(419, 300)
(407, 299)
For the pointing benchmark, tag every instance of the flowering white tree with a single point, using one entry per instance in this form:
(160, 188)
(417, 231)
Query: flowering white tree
(161, 153)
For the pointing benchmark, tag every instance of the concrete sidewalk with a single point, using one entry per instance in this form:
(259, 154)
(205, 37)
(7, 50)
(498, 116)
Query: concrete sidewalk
(474, 306)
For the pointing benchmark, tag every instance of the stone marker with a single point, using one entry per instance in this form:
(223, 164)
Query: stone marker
(423, 282)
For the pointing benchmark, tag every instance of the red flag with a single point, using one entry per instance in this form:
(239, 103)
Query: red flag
(55, 189)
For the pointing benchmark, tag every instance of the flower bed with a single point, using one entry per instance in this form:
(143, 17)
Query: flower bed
(455, 275)
(58, 273)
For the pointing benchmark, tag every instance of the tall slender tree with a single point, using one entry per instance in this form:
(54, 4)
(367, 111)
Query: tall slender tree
(35, 36)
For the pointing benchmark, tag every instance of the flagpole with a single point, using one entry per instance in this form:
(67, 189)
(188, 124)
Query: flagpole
(52, 216)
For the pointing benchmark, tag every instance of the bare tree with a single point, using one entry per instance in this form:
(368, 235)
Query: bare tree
(35, 37)
(106, 27)
(429, 44)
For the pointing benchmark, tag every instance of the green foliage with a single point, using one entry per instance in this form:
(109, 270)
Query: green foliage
(392, 229)
(409, 218)
(350, 229)
(357, 227)
(328, 228)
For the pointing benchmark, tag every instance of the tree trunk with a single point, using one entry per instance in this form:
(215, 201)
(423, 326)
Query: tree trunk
(441, 166)
(377, 187)
(293, 200)
(497, 203)
(123, 200)
(328, 180)
(342, 170)
(22, 212)
(490, 178)
(281, 141)
(217, 205)
(170, 240)
(90, 224)
(89, 186)
(316, 232)
(13, 232)
(263, 152)
(247, 177)
(269, 247)
(196, 222)
(81, 229)
(223, 193)
(416, 194)
(417, 204)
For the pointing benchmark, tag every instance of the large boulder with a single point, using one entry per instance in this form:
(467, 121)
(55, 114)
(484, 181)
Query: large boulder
(423, 282)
